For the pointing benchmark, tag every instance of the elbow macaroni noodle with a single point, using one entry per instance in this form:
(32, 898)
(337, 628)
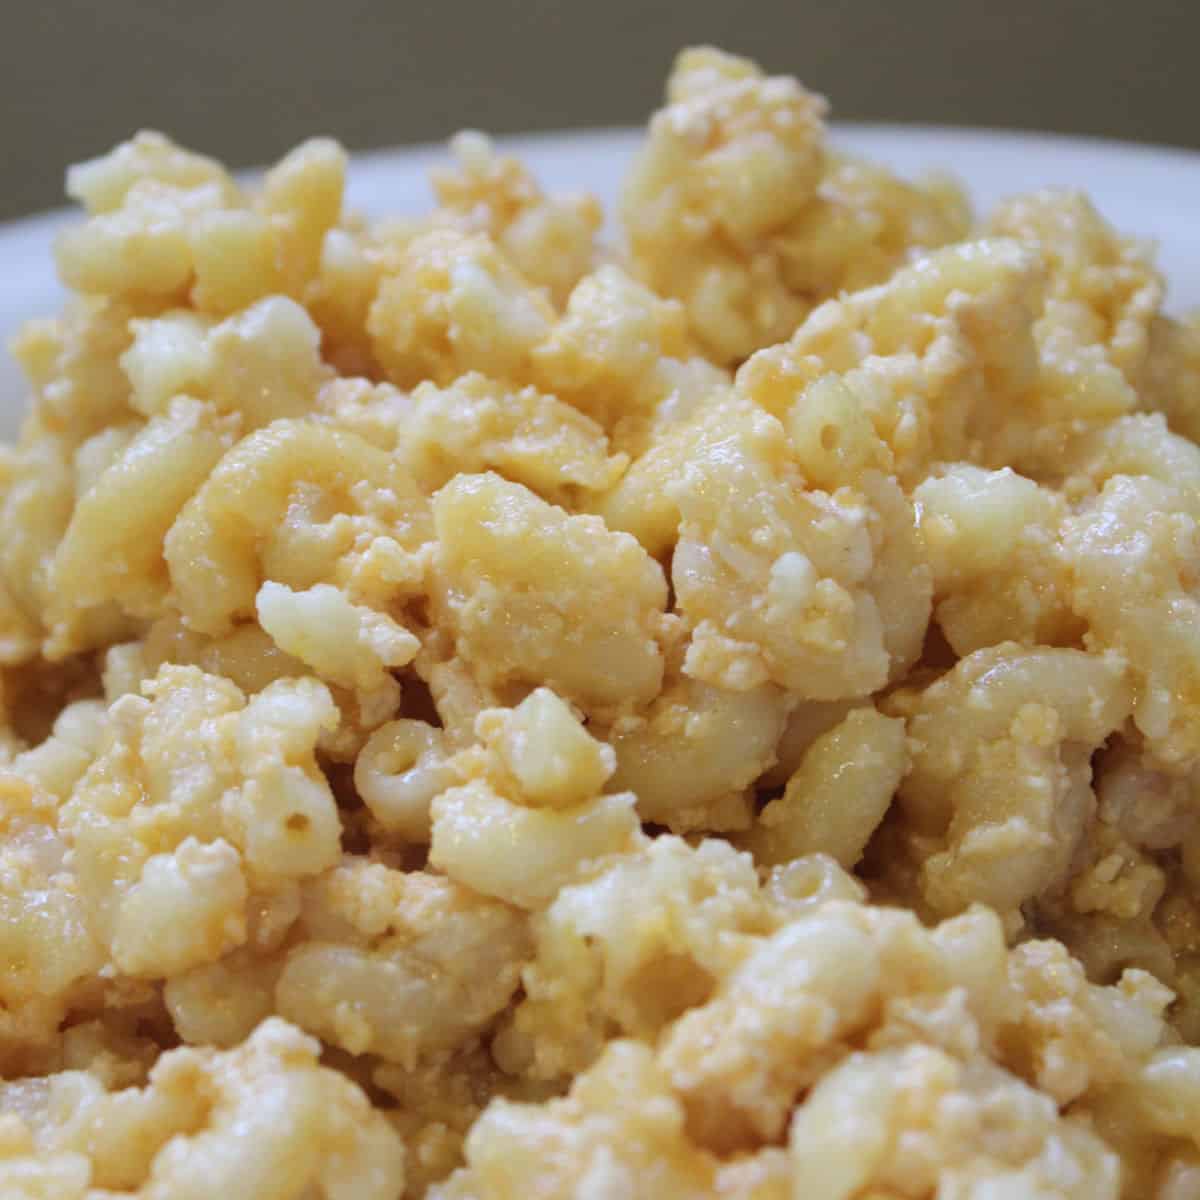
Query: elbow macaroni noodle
(484, 715)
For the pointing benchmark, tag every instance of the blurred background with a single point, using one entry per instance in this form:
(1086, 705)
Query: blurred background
(245, 79)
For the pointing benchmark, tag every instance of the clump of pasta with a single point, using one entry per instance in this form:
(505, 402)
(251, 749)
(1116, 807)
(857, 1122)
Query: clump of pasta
(487, 712)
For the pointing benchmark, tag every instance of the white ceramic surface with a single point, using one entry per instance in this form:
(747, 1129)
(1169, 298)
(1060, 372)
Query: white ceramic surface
(1147, 190)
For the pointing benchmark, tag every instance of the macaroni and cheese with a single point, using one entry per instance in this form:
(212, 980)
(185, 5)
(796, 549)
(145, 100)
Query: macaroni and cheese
(489, 715)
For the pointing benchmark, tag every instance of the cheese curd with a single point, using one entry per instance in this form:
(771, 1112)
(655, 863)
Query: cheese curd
(486, 714)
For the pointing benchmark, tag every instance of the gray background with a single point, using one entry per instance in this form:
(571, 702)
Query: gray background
(245, 80)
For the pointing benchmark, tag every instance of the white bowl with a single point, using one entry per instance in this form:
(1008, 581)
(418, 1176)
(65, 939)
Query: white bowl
(1145, 190)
